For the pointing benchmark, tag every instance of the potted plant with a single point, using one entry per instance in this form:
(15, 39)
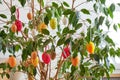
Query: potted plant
(54, 34)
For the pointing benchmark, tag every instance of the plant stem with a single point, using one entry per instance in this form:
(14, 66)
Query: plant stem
(40, 6)
(80, 4)
(49, 70)
(32, 7)
(4, 21)
(10, 3)
(25, 37)
(73, 1)
(59, 66)
(6, 4)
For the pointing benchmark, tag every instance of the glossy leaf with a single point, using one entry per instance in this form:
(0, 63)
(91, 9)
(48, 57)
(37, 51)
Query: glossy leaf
(112, 7)
(3, 16)
(60, 41)
(115, 27)
(102, 1)
(45, 31)
(65, 4)
(78, 26)
(13, 9)
(101, 19)
(54, 4)
(22, 2)
(85, 11)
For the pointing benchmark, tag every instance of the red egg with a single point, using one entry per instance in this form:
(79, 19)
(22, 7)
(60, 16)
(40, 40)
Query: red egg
(18, 23)
(46, 58)
(66, 52)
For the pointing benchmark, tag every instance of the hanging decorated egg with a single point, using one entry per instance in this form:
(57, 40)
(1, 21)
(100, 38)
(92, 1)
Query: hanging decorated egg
(18, 23)
(46, 58)
(66, 52)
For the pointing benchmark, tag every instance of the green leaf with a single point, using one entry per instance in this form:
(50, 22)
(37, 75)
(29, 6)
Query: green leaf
(112, 68)
(118, 4)
(3, 16)
(112, 7)
(65, 30)
(101, 19)
(45, 31)
(102, 1)
(54, 4)
(46, 20)
(109, 40)
(110, 13)
(85, 11)
(13, 9)
(3, 34)
(105, 11)
(22, 2)
(118, 25)
(95, 7)
(60, 41)
(67, 12)
(24, 54)
(78, 26)
(47, 42)
(26, 31)
(115, 27)
(41, 3)
(17, 47)
(8, 76)
(89, 21)
(65, 4)
(72, 31)
(13, 18)
(0, 2)
(3, 66)
(82, 68)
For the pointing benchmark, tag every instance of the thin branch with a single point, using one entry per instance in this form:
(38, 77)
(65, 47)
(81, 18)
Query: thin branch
(80, 4)
(25, 37)
(73, 1)
(32, 7)
(49, 70)
(40, 6)
(59, 66)
(3, 21)
(6, 4)
(10, 3)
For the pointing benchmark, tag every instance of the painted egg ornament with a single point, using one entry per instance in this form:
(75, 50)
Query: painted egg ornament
(66, 52)
(46, 58)
(19, 25)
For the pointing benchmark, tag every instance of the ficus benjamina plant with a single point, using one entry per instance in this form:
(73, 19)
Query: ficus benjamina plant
(72, 35)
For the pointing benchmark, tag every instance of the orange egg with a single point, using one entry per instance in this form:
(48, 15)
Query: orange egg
(29, 16)
(12, 61)
(75, 61)
(90, 47)
(34, 54)
(13, 28)
(42, 26)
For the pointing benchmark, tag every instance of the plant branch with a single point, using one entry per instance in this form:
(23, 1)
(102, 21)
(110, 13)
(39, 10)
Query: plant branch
(40, 6)
(73, 1)
(59, 66)
(32, 7)
(80, 4)
(4, 21)
(25, 37)
(6, 4)
(10, 3)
